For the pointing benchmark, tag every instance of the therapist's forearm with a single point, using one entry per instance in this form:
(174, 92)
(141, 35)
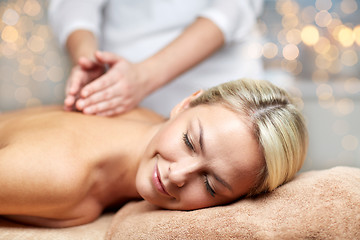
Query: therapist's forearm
(81, 43)
(195, 44)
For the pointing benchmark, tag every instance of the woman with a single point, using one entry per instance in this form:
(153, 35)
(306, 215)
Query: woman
(238, 139)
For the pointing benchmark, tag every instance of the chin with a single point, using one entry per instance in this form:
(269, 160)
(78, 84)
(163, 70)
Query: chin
(147, 192)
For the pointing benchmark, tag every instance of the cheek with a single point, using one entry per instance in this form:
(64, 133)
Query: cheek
(196, 197)
(167, 143)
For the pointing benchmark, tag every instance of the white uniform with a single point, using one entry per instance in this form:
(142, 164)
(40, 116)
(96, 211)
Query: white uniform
(136, 29)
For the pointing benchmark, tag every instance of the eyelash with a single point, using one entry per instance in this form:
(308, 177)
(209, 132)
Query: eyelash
(208, 187)
(187, 142)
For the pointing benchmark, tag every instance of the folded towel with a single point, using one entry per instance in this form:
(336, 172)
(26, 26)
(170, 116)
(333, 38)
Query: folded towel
(315, 205)
(92, 231)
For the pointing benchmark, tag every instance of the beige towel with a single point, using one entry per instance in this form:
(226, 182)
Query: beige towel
(315, 205)
(92, 231)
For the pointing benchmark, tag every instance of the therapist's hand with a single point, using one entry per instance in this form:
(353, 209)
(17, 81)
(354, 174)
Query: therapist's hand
(81, 74)
(117, 91)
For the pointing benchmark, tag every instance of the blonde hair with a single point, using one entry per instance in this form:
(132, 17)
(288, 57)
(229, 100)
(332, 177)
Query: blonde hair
(278, 126)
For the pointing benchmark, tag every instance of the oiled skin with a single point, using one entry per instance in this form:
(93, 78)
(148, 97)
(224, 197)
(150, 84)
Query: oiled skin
(61, 169)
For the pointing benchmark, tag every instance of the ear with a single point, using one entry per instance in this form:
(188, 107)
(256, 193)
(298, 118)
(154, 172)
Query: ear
(184, 104)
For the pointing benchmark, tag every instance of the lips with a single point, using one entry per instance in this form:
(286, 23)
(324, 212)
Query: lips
(156, 178)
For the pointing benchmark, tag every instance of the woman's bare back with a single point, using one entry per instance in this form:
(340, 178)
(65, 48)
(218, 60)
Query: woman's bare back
(63, 168)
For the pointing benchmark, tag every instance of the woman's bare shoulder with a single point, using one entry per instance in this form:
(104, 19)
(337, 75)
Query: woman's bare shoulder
(29, 111)
(142, 114)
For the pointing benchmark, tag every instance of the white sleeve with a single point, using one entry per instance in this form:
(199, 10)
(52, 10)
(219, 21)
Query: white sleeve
(235, 18)
(66, 16)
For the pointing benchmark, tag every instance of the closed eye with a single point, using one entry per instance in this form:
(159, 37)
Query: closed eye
(208, 187)
(188, 142)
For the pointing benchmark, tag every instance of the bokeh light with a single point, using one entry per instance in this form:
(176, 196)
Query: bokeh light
(345, 106)
(29, 55)
(290, 21)
(270, 50)
(10, 17)
(323, 18)
(310, 35)
(322, 37)
(322, 46)
(356, 33)
(324, 91)
(284, 7)
(32, 8)
(348, 6)
(323, 5)
(308, 14)
(345, 36)
(349, 58)
(293, 36)
(290, 51)
(9, 34)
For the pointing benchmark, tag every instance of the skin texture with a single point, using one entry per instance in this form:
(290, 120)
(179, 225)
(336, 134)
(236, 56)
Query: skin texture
(229, 153)
(62, 169)
(92, 90)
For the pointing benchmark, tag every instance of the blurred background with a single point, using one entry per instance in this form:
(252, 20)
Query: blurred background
(310, 47)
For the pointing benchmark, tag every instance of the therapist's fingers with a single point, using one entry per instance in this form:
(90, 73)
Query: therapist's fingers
(77, 79)
(87, 63)
(107, 57)
(106, 80)
(115, 106)
(103, 106)
(69, 102)
(74, 84)
(104, 95)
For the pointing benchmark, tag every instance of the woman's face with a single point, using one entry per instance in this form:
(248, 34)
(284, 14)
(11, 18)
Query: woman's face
(203, 156)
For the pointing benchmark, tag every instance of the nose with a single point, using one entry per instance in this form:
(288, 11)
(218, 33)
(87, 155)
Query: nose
(182, 171)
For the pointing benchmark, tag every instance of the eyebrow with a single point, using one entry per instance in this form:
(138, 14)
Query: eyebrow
(201, 143)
